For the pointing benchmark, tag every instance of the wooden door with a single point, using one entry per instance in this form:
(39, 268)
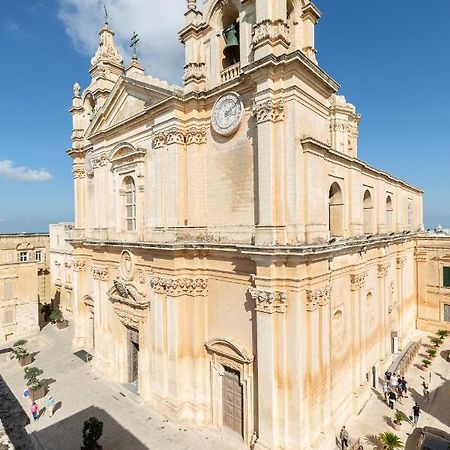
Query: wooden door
(134, 356)
(232, 401)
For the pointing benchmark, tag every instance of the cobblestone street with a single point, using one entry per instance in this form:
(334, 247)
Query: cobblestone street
(78, 395)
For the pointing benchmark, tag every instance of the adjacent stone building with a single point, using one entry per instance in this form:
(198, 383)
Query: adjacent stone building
(61, 268)
(233, 259)
(24, 283)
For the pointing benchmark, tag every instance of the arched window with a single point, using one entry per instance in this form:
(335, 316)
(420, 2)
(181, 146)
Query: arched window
(389, 214)
(410, 214)
(368, 212)
(335, 211)
(231, 35)
(130, 203)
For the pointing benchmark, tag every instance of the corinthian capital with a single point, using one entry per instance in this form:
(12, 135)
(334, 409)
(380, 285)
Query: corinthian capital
(269, 111)
(99, 273)
(178, 287)
(318, 297)
(269, 301)
(383, 270)
(358, 281)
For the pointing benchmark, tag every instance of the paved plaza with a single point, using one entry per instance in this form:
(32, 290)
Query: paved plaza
(78, 395)
(377, 417)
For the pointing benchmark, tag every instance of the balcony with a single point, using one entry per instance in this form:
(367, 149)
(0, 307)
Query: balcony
(230, 73)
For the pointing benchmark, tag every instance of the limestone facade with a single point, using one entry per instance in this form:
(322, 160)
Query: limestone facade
(433, 281)
(24, 283)
(257, 279)
(61, 268)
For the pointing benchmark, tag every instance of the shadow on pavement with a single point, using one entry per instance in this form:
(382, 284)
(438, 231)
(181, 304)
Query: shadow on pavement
(67, 433)
(14, 418)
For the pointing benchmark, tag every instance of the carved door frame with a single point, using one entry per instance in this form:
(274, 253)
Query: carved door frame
(225, 353)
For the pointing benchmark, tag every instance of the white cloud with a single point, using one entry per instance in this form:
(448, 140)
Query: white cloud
(157, 22)
(19, 173)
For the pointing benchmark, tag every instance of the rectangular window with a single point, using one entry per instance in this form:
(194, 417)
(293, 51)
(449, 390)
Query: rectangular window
(9, 290)
(23, 256)
(446, 277)
(38, 255)
(446, 313)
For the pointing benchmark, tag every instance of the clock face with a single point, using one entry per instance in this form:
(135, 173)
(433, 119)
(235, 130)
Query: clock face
(227, 114)
(88, 164)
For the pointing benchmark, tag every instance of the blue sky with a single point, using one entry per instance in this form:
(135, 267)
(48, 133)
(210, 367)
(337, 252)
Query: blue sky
(391, 58)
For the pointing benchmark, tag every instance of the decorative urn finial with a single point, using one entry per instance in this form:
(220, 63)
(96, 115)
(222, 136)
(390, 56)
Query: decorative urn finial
(192, 4)
(76, 90)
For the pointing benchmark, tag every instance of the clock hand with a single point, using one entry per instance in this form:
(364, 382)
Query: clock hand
(227, 113)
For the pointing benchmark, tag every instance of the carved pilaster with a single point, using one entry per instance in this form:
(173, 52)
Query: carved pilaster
(175, 136)
(271, 32)
(269, 301)
(182, 286)
(318, 297)
(159, 141)
(99, 273)
(78, 171)
(196, 135)
(358, 281)
(400, 263)
(269, 111)
(383, 270)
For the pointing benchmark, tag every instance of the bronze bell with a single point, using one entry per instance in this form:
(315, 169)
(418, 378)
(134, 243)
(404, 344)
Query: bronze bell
(231, 49)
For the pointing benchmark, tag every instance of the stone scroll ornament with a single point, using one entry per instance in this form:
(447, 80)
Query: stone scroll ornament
(318, 297)
(269, 302)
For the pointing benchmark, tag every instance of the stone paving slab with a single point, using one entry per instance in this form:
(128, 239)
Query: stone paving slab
(377, 417)
(79, 394)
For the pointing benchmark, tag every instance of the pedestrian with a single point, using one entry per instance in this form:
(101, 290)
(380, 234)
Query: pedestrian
(385, 392)
(399, 393)
(344, 438)
(51, 406)
(35, 411)
(404, 387)
(415, 414)
(387, 375)
(392, 398)
(394, 381)
(26, 393)
(426, 392)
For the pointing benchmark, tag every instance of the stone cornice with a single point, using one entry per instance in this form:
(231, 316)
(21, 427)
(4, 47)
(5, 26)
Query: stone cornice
(269, 302)
(318, 297)
(358, 281)
(177, 287)
(99, 273)
(268, 111)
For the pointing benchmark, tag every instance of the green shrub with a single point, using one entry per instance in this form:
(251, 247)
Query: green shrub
(426, 362)
(20, 353)
(56, 316)
(31, 376)
(92, 431)
(390, 441)
(399, 417)
(436, 341)
(442, 334)
(20, 343)
(431, 352)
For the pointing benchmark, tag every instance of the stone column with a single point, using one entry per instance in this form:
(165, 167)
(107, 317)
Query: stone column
(383, 270)
(269, 116)
(79, 272)
(176, 182)
(79, 174)
(185, 399)
(357, 283)
(196, 176)
(400, 262)
(270, 308)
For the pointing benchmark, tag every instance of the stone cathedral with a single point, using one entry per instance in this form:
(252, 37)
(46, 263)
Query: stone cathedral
(235, 263)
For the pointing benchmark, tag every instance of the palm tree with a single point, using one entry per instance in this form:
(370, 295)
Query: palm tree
(390, 441)
(442, 333)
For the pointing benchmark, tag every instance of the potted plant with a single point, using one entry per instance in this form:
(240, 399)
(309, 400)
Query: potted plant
(436, 341)
(442, 334)
(92, 431)
(57, 317)
(399, 417)
(21, 353)
(425, 364)
(431, 352)
(37, 390)
(390, 441)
